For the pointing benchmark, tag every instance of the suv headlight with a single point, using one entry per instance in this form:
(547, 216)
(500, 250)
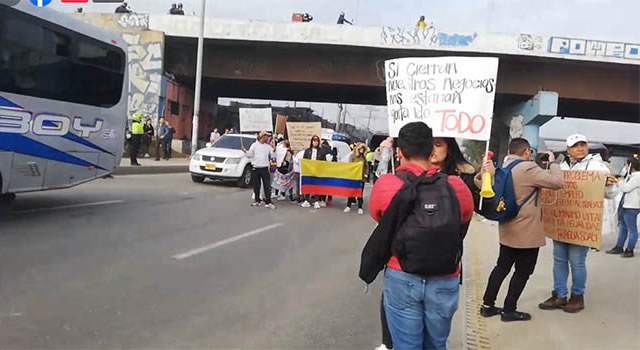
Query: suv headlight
(233, 160)
(197, 157)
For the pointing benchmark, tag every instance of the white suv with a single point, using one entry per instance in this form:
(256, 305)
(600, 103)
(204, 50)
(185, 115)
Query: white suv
(224, 160)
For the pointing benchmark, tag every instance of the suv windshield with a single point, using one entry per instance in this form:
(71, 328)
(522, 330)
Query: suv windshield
(234, 142)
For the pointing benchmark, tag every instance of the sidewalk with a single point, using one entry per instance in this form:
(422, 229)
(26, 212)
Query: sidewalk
(611, 318)
(150, 166)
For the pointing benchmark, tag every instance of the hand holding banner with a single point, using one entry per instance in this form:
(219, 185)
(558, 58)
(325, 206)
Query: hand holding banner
(256, 119)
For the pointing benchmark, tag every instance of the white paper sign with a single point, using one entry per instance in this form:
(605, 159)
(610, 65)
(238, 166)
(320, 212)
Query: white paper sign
(453, 95)
(255, 119)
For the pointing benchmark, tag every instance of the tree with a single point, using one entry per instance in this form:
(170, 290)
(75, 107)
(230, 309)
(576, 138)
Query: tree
(473, 150)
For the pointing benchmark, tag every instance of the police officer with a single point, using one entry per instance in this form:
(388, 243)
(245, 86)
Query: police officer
(137, 132)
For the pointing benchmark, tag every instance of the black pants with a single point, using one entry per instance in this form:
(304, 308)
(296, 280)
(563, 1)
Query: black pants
(261, 174)
(146, 144)
(525, 261)
(160, 147)
(135, 147)
(167, 149)
(360, 200)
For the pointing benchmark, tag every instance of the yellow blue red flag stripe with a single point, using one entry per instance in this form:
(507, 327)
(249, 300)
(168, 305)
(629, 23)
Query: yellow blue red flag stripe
(331, 178)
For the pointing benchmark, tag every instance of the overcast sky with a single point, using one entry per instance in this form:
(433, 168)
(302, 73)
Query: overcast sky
(614, 20)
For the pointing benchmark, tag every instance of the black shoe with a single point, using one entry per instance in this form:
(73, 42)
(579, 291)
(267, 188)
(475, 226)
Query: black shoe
(488, 311)
(515, 316)
(615, 250)
(628, 253)
(157, 159)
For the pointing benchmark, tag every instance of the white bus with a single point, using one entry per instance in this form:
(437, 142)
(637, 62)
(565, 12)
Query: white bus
(63, 100)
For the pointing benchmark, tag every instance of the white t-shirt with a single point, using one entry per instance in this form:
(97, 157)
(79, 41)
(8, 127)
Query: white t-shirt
(259, 154)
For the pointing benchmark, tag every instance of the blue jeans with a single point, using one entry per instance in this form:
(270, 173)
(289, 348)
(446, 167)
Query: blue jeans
(628, 223)
(565, 254)
(419, 310)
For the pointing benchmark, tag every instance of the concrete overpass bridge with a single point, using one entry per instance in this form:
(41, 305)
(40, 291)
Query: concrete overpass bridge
(540, 76)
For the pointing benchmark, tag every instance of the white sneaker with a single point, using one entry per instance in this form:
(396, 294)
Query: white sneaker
(382, 347)
(323, 204)
(347, 210)
(316, 205)
(256, 204)
(305, 204)
(270, 206)
(281, 198)
(360, 212)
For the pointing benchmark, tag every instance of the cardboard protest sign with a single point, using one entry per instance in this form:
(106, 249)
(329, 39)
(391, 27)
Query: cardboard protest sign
(255, 119)
(453, 95)
(574, 213)
(300, 133)
(281, 123)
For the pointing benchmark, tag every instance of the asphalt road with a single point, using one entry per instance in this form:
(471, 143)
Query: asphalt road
(115, 264)
(159, 262)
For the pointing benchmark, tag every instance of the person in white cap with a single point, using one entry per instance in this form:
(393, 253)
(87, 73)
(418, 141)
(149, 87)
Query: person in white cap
(260, 153)
(567, 255)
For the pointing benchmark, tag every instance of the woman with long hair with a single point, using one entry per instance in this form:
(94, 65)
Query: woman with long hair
(358, 156)
(447, 156)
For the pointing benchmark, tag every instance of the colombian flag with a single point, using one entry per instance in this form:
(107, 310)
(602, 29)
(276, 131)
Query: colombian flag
(331, 178)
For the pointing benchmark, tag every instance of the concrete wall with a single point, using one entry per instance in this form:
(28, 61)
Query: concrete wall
(522, 44)
(183, 121)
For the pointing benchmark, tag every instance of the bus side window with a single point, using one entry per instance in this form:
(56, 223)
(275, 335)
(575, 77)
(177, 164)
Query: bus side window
(42, 59)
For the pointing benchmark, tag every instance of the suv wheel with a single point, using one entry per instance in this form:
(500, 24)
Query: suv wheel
(245, 179)
(197, 178)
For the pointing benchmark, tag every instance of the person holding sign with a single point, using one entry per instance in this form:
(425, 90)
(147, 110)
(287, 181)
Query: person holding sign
(629, 211)
(357, 156)
(574, 256)
(522, 236)
(260, 153)
(314, 152)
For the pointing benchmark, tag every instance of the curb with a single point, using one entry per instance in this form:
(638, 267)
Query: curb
(147, 170)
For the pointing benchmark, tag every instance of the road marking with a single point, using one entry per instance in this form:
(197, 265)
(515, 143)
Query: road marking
(225, 242)
(92, 204)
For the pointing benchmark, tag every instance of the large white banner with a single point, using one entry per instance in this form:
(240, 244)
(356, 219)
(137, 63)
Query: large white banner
(453, 95)
(256, 119)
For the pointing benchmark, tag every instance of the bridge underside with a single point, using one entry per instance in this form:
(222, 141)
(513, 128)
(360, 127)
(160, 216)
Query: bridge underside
(354, 75)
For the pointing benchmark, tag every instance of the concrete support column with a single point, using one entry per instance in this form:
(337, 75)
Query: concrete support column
(524, 120)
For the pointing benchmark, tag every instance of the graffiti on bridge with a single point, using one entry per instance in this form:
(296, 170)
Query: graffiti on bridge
(425, 37)
(593, 48)
(133, 20)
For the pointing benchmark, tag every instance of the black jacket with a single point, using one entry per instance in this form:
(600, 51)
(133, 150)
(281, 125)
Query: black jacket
(322, 152)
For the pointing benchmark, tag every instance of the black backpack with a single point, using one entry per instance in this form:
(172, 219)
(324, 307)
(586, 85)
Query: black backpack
(429, 240)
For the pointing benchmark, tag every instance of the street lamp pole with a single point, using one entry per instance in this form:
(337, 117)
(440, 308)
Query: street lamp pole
(196, 102)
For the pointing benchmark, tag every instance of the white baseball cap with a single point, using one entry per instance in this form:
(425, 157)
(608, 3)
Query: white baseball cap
(575, 138)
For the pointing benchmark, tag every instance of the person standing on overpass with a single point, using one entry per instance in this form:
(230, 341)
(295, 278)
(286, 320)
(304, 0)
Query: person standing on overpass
(422, 24)
(342, 20)
(123, 8)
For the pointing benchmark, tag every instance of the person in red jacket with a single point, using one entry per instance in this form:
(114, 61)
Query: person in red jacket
(419, 309)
